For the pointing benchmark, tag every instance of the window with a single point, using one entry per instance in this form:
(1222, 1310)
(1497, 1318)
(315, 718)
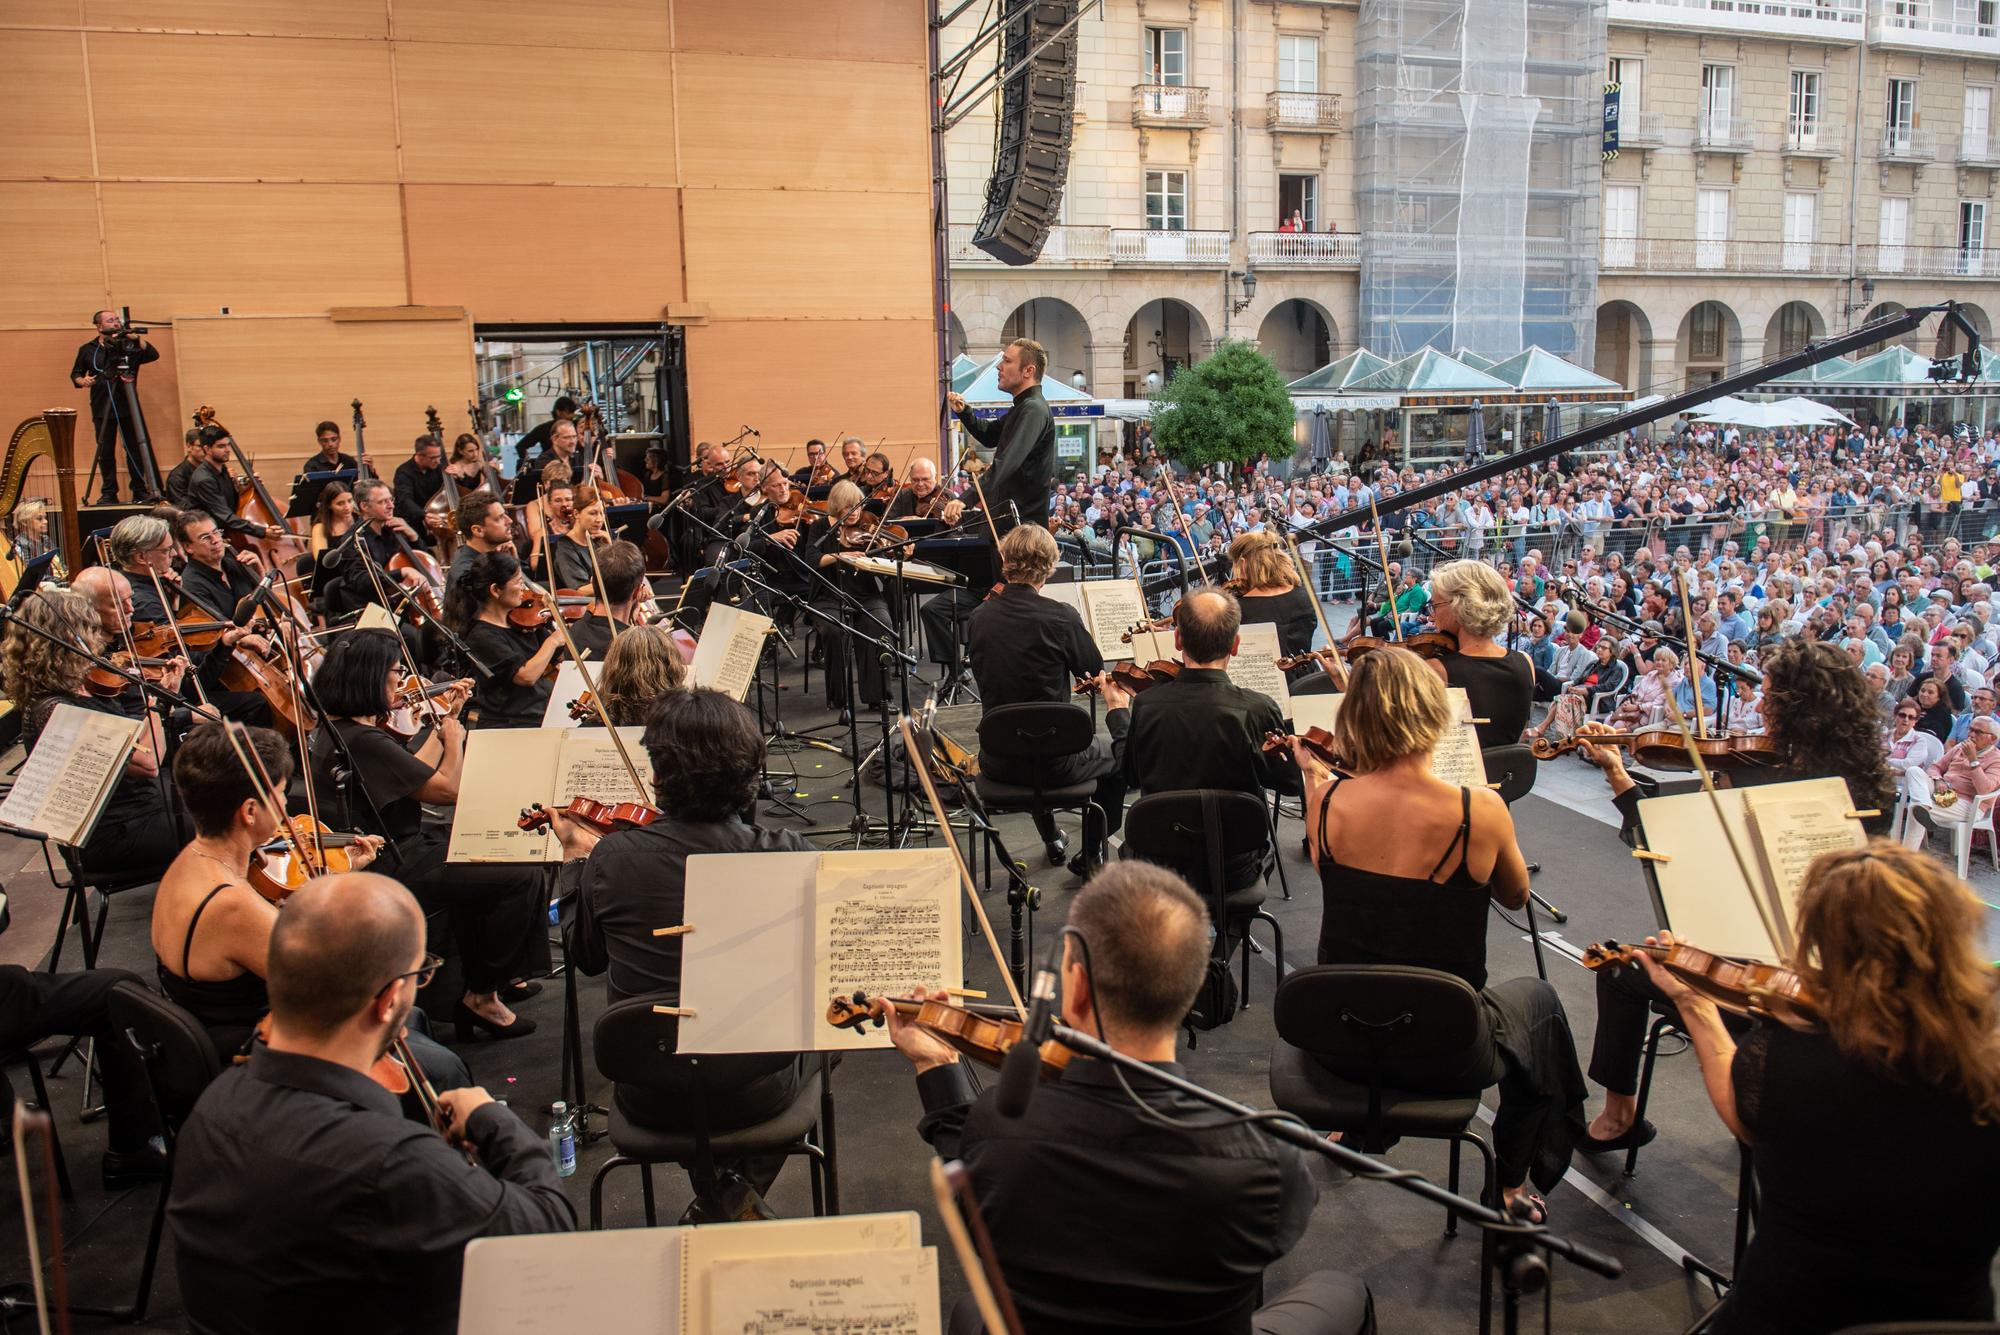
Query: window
(1705, 332)
(1794, 328)
(1621, 226)
(1800, 213)
(1629, 75)
(1802, 122)
(1298, 64)
(1900, 115)
(1711, 228)
(1718, 98)
(1166, 201)
(1300, 195)
(1972, 236)
(1166, 56)
(1976, 124)
(1892, 234)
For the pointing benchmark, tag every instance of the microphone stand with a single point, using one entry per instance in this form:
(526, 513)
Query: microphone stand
(1514, 1246)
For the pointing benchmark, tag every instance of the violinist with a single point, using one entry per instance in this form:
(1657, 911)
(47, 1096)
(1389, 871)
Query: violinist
(877, 477)
(1904, 1056)
(846, 531)
(615, 607)
(216, 578)
(707, 758)
(571, 548)
(137, 832)
(303, 1200)
(333, 519)
(469, 467)
(212, 490)
(786, 537)
(141, 547)
(731, 508)
(1089, 1200)
(111, 597)
(373, 781)
(476, 607)
(418, 478)
(944, 614)
(1266, 585)
(1820, 711)
(641, 665)
(1469, 599)
(817, 472)
(563, 451)
(363, 559)
(1024, 647)
(853, 450)
(550, 513)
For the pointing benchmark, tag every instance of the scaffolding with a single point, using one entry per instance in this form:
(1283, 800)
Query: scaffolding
(1477, 166)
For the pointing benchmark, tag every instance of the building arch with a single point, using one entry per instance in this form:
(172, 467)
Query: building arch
(1162, 336)
(1791, 327)
(1298, 335)
(1708, 343)
(1624, 337)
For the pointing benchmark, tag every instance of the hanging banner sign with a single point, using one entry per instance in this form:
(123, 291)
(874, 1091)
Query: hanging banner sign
(1610, 121)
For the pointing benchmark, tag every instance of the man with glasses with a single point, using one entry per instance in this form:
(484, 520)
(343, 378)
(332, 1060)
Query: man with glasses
(1969, 770)
(215, 577)
(303, 1200)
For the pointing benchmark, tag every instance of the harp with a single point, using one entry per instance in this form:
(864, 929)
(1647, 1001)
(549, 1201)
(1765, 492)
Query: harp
(50, 436)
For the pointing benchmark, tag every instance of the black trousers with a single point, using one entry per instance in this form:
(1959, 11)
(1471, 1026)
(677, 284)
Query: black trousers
(1097, 763)
(1326, 1302)
(868, 659)
(35, 1006)
(944, 619)
(1626, 999)
(111, 418)
(498, 915)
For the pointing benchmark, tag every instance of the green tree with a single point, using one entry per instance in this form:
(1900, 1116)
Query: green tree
(1228, 409)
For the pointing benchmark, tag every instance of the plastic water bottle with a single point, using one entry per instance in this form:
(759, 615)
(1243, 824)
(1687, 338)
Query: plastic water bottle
(562, 1139)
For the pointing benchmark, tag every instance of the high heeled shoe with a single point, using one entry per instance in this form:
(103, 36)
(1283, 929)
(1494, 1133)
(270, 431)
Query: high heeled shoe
(469, 1021)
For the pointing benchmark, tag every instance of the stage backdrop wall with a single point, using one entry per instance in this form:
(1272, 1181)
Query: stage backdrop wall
(755, 170)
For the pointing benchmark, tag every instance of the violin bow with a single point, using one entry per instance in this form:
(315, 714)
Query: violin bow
(1389, 583)
(1319, 613)
(305, 744)
(173, 622)
(1694, 655)
(267, 791)
(583, 670)
(876, 536)
(402, 646)
(1780, 932)
(597, 587)
(923, 768)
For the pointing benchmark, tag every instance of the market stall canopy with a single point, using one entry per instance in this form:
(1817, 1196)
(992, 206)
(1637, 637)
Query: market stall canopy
(1536, 370)
(987, 400)
(1336, 377)
(1768, 416)
(1432, 372)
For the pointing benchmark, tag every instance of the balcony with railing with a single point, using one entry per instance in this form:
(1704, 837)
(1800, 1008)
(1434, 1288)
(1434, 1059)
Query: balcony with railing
(1302, 113)
(1723, 134)
(1978, 150)
(1677, 255)
(1305, 250)
(1065, 246)
(1642, 129)
(1918, 25)
(1145, 246)
(1928, 261)
(1906, 143)
(1169, 106)
(1816, 138)
(1840, 21)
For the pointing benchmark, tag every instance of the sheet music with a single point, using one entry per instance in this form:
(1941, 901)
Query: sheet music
(1110, 608)
(1456, 759)
(588, 765)
(1255, 666)
(505, 770)
(1789, 833)
(1150, 646)
(725, 657)
(826, 1293)
(376, 617)
(64, 784)
(624, 1281)
(884, 923)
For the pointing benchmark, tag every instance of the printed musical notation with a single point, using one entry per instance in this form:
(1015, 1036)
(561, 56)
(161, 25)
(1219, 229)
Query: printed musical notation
(881, 926)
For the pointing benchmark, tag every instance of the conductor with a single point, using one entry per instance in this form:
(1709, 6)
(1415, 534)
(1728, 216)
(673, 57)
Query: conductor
(1023, 441)
(108, 366)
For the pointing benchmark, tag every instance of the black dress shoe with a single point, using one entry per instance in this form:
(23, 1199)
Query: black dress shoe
(1057, 849)
(1635, 1135)
(1083, 866)
(131, 1168)
(469, 1022)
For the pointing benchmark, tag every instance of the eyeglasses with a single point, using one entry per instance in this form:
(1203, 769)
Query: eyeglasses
(423, 973)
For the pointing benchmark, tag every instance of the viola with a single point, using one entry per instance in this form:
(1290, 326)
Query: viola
(1667, 748)
(604, 817)
(428, 591)
(1318, 741)
(198, 630)
(983, 1033)
(388, 1071)
(279, 868)
(1157, 626)
(584, 709)
(1741, 986)
(1134, 677)
(573, 603)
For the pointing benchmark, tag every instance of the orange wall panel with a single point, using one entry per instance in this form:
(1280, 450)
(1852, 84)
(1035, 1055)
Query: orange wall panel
(281, 18)
(774, 255)
(54, 273)
(605, 25)
(801, 125)
(488, 248)
(244, 107)
(813, 378)
(34, 374)
(577, 117)
(851, 30)
(44, 123)
(257, 249)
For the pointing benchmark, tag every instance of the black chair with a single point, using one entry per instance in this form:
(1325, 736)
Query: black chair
(1361, 1018)
(36, 1078)
(638, 1046)
(77, 886)
(1030, 736)
(1195, 832)
(180, 1062)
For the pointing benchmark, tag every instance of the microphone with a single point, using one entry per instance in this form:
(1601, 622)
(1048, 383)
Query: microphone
(248, 607)
(754, 431)
(1022, 1069)
(1015, 512)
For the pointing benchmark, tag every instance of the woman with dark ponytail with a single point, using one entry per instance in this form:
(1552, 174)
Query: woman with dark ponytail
(518, 661)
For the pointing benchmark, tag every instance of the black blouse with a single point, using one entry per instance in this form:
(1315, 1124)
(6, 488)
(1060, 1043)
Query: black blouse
(502, 702)
(1291, 612)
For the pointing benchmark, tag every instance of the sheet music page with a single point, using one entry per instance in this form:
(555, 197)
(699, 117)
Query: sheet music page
(1110, 608)
(1789, 833)
(883, 923)
(776, 1240)
(1457, 758)
(1255, 667)
(376, 617)
(623, 1281)
(826, 1293)
(1069, 594)
(588, 765)
(725, 657)
(752, 918)
(64, 784)
(1151, 646)
(505, 770)
(568, 686)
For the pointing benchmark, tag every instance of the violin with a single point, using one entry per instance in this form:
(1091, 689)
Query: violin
(1740, 986)
(428, 591)
(1667, 748)
(1317, 741)
(886, 491)
(983, 1033)
(573, 603)
(1134, 677)
(604, 817)
(388, 1071)
(105, 683)
(1157, 626)
(198, 630)
(1426, 645)
(415, 693)
(276, 869)
(1327, 660)
(821, 475)
(584, 709)
(859, 528)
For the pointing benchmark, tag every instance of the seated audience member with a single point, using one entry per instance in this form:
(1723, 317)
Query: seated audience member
(303, 1200)
(1078, 1191)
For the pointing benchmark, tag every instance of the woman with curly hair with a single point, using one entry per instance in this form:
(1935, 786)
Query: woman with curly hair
(1821, 712)
(1906, 1053)
(136, 832)
(641, 665)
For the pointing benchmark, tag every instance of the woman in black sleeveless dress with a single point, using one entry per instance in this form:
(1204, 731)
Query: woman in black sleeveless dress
(1469, 599)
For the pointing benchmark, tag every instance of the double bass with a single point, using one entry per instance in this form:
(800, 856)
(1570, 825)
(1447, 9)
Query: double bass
(255, 503)
(441, 510)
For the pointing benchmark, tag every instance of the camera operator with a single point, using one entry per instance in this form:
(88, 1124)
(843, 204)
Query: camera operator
(100, 365)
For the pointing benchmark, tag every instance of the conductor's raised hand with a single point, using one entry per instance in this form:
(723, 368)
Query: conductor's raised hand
(955, 401)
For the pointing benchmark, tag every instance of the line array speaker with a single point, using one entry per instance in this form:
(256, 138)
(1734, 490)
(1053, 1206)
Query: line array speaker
(1031, 143)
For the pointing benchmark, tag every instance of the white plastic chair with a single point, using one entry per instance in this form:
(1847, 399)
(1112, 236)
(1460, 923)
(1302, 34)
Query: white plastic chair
(1961, 837)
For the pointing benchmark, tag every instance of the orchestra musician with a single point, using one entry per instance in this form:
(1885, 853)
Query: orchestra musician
(562, 450)
(640, 666)
(215, 577)
(137, 832)
(517, 692)
(1821, 714)
(1092, 1203)
(375, 781)
(111, 596)
(784, 546)
(418, 478)
(846, 506)
(303, 1200)
(615, 607)
(333, 519)
(876, 473)
(1469, 599)
(571, 547)
(550, 513)
(212, 490)
(328, 457)
(141, 547)
(469, 467)
(1026, 647)
(483, 526)
(707, 758)
(535, 447)
(1265, 581)
(1420, 899)
(817, 472)
(1023, 441)
(178, 477)
(364, 557)
(853, 450)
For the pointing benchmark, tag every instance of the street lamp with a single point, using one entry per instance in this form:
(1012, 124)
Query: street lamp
(1152, 381)
(1078, 380)
(1248, 278)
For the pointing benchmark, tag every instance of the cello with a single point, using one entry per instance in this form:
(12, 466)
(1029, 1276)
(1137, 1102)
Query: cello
(441, 510)
(255, 503)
